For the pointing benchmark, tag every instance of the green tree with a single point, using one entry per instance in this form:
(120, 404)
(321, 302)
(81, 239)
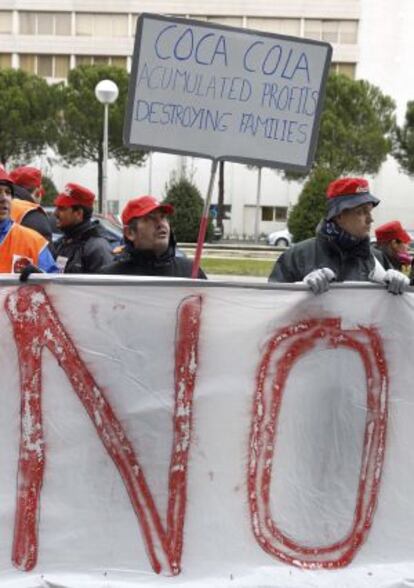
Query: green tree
(28, 107)
(188, 205)
(81, 125)
(311, 205)
(50, 191)
(356, 131)
(404, 144)
(357, 124)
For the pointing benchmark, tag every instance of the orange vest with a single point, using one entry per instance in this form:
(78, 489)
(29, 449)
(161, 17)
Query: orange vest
(20, 247)
(19, 209)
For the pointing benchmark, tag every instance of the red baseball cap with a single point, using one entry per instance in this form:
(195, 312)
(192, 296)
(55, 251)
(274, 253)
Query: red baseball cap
(27, 177)
(143, 205)
(6, 179)
(392, 230)
(345, 193)
(75, 195)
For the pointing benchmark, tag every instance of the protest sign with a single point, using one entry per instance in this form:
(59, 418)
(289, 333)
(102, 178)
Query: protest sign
(225, 93)
(174, 433)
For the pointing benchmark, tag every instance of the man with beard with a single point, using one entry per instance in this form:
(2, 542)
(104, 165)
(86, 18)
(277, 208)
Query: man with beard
(83, 248)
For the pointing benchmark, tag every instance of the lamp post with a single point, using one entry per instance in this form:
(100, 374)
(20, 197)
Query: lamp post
(106, 91)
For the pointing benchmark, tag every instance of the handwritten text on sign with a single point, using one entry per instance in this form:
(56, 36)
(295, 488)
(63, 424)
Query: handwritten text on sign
(220, 92)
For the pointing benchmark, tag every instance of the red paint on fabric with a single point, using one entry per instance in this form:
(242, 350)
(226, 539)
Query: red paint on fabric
(36, 325)
(283, 351)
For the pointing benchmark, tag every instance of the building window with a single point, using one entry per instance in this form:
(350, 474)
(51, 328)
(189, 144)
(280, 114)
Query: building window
(101, 25)
(5, 60)
(333, 31)
(119, 61)
(28, 63)
(267, 213)
(281, 213)
(230, 21)
(274, 213)
(45, 23)
(61, 66)
(46, 66)
(283, 26)
(330, 31)
(27, 23)
(116, 60)
(349, 32)
(347, 69)
(5, 22)
(101, 60)
(84, 60)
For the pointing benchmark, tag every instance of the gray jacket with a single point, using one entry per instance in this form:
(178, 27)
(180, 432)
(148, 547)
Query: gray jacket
(322, 251)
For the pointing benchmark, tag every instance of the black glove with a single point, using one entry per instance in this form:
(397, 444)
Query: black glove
(27, 270)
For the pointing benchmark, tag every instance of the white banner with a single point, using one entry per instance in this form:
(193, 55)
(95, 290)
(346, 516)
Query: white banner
(176, 433)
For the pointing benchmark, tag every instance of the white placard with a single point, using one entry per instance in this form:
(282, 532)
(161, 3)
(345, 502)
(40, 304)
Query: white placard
(225, 93)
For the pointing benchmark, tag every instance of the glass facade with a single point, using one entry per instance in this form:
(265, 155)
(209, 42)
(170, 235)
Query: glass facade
(117, 25)
(44, 23)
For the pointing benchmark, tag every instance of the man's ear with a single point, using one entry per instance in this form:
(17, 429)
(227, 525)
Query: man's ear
(129, 233)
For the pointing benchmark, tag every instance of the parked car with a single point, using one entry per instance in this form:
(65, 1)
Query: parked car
(281, 238)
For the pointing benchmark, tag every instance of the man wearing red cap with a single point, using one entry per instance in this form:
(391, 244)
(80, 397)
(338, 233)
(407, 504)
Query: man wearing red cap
(392, 242)
(149, 242)
(26, 209)
(83, 249)
(341, 249)
(29, 183)
(20, 248)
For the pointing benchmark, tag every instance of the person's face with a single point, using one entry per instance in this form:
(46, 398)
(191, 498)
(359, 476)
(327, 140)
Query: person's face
(66, 217)
(356, 221)
(5, 201)
(152, 232)
(395, 246)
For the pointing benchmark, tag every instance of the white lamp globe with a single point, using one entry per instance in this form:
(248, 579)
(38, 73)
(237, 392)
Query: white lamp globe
(106, 91)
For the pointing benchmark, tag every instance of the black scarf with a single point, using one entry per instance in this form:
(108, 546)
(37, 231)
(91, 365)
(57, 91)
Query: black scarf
(344, 240)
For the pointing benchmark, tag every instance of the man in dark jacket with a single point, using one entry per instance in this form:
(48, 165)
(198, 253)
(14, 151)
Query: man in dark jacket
(341, 248)
(149, 243)
(83, 248)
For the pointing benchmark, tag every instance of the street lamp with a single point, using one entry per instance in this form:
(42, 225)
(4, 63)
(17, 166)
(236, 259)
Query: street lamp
(106, 91)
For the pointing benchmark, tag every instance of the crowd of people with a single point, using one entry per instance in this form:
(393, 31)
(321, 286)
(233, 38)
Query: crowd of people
(340, 251)
(26, 246)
